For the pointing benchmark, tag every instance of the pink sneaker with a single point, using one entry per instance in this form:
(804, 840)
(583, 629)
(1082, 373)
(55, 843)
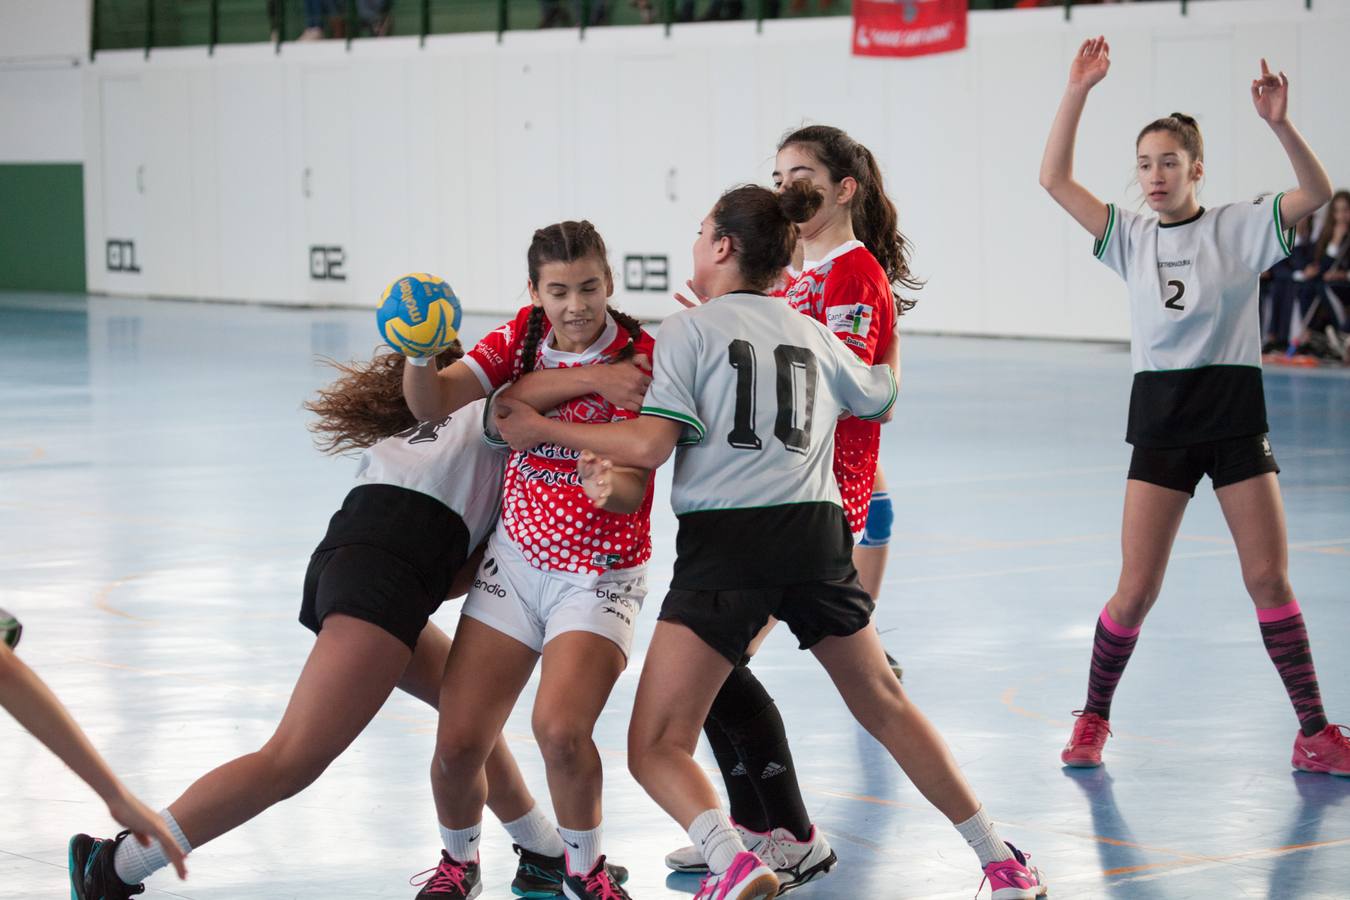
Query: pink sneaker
(747, 879)
(1084, 749)
(1327, 751)
(1013, 879)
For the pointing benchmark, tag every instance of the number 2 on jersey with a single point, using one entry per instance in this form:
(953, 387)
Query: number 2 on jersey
(1174, 301)
(788, 363)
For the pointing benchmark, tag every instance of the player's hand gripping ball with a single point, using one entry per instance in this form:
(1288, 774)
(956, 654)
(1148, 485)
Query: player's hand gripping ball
(419, 315)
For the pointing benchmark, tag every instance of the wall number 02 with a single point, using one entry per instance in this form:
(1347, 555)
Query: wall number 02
(1174, 301)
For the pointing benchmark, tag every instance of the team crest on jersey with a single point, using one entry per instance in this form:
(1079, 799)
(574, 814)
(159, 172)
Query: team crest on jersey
(423, 432)
(850, 319)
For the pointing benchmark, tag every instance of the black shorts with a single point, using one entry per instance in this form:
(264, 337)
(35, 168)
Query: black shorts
(1225, 462)
(389, 559)
(728, 621)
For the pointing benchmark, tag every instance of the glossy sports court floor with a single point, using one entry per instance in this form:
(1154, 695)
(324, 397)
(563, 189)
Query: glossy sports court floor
(159, 497)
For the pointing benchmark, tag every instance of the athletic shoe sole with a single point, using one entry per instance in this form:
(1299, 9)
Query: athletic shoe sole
(1319, 770)
(765, 887)
(818, 871)
(1080, 763)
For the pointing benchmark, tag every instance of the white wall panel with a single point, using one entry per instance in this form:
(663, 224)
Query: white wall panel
(455, 153)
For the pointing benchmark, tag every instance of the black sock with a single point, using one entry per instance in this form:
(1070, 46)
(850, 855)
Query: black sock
(745, 806)
(749, 718)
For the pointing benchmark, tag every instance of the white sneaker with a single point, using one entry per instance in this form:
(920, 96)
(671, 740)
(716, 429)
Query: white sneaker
(311, 34)
(794, 862)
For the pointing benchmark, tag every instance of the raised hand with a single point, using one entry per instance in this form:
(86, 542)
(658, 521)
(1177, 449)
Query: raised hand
(146, 825)
(686, 302)
(596, 480)
(1270, 95)
(1091, 63)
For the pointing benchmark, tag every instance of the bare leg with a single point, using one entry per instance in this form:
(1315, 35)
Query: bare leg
(857, 665)
(351, 659)
(579, 672)
(679, 680)
(871, 561)
(1148, 529)
(508, 796)
(1255, 515)
(484, 675)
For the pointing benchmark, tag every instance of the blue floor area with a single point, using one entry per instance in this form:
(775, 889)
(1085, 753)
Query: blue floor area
(159, 497)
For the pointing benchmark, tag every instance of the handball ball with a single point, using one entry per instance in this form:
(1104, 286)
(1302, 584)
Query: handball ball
(419, 315)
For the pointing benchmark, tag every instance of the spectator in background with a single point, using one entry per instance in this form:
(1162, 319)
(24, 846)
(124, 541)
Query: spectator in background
(1326, 286)
(553, 14)
(315, 13)
(1281, 286)
(723, 10)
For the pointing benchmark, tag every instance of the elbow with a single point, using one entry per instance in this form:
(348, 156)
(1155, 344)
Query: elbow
(651, 454)
(1050, 182)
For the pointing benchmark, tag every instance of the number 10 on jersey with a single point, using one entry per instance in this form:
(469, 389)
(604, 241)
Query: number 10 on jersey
(795, 372)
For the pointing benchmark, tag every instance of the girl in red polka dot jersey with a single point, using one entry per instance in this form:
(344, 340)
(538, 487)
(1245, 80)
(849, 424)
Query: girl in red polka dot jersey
(562, 578)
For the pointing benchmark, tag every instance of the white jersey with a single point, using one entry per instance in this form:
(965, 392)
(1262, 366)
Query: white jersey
(759, 388)
(447, 460)
(1196, 343)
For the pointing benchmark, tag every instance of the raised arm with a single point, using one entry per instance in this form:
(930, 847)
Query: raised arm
(643, 443)
(31, 702)
(435, 395)
(1270, 96)
(1089, 66)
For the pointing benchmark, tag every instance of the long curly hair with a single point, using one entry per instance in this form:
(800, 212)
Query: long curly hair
(875, 220)
(365, 404)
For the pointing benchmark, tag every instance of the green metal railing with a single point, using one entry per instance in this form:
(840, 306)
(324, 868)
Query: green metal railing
(150, 24)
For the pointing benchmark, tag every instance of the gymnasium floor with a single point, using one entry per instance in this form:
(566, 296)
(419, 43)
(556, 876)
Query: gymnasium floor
(159, 497)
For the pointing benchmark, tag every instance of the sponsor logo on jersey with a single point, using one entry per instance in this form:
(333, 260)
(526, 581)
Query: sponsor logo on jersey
(1173, 263)
(489, 587)
(604, 561)
(423, 432)
(851, 319)
(550, 477)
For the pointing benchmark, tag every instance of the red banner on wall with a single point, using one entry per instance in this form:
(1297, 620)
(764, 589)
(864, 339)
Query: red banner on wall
(908, 27)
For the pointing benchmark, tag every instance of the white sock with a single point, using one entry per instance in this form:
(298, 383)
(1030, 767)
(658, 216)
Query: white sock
(983, 839)
(716, 838)
(462, 843)
(135, 863)
(583, 848)
(535, 832)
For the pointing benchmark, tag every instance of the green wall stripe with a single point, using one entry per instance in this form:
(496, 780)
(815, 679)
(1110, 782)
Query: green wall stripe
(42, 227)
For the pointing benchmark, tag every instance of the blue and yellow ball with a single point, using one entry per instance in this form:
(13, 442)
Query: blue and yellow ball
(419, 315)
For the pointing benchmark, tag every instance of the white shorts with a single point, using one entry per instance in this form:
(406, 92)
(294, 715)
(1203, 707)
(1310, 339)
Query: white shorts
(535, 606)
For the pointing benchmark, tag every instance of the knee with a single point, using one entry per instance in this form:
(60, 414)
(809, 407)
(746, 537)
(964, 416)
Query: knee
(562, 743)
(458, 754)
(1134, 598)
(1268, 584)
(290, 769)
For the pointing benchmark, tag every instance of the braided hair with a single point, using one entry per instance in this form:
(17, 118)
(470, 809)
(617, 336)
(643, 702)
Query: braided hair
(875, 219)
(567, 242)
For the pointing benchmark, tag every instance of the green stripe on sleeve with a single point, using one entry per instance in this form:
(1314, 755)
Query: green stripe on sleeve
(1286, 235)
(895, 391)
(677, 417)
(1099, 247)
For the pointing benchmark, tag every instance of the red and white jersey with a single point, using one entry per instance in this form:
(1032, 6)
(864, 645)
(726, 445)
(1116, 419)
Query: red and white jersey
(545, 512)
(848, 292)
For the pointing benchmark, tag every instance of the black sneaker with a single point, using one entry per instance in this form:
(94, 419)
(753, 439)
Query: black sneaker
(92, 874)
(540, 877)
(597, 884)
(450, 880)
